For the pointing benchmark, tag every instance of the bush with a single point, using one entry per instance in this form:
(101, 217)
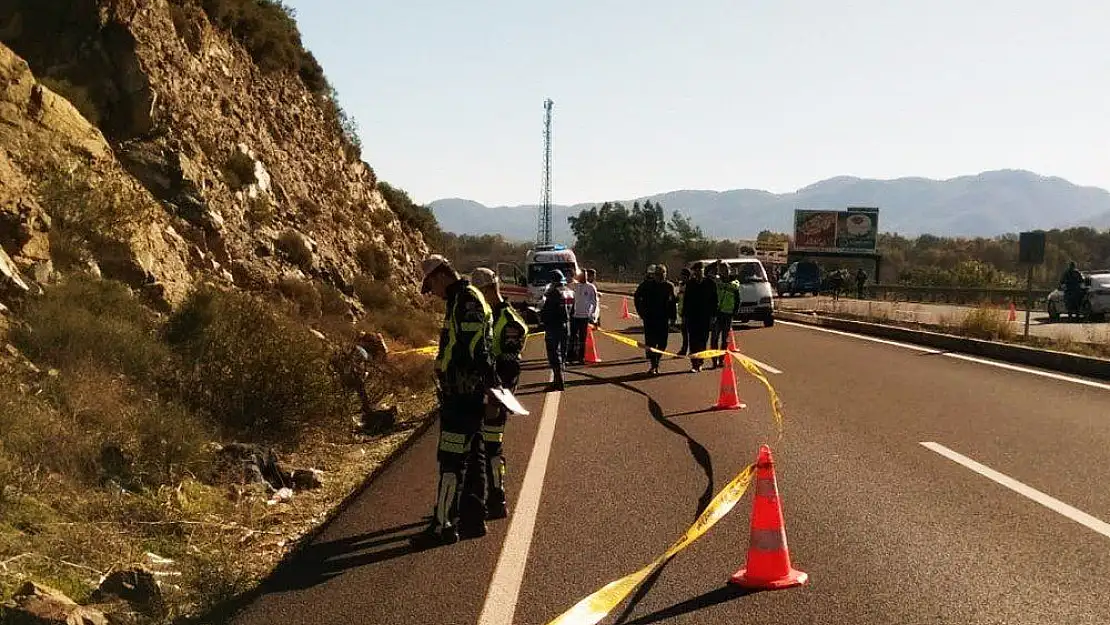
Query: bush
(296, 249)
(420, 218)
(374, 295)
(86, 319)
(254, 371)
(303, 295)
(93, 209)
(984, 322)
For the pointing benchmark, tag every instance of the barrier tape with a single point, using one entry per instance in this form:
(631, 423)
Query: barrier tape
(598, 605)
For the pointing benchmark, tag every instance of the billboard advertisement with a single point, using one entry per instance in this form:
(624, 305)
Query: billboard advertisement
(815, 229)
(852, 230)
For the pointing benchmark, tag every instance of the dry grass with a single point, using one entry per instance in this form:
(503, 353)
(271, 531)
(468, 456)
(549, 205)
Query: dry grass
(111, 455)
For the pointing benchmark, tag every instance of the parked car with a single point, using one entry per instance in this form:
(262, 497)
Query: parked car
(756, 296)
(800, 278)
(1094, 303)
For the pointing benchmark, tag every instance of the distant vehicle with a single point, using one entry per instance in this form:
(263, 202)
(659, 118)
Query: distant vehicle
(800, 278)
(756, 297)
(1095, 300)
(524, 289)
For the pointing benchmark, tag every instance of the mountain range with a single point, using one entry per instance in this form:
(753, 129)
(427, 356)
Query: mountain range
(986, 204)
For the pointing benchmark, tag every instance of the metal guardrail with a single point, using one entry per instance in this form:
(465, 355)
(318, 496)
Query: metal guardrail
(959, 296)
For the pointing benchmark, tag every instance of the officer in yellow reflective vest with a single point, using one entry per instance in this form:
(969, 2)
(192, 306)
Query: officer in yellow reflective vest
(510, 333)
(465, 372)
(728, 304)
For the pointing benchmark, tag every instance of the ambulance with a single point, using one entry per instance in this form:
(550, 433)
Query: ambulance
(524, 289)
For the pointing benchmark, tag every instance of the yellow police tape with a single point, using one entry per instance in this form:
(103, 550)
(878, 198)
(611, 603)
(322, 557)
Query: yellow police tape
(596, 606)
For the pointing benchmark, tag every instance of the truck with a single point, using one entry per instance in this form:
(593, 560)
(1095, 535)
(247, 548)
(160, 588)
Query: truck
(524, 289)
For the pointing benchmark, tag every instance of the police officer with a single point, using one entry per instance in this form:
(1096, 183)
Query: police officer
(465, 372)
(556, 310)
(510, 333)
(728, 304)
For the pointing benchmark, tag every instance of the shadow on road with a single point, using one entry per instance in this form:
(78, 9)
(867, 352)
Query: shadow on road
(697, 450)
(714, 597)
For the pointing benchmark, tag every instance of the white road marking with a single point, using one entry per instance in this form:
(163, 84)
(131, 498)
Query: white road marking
(1028, 491)
(766, 367)
(504, 589)
(928, 350)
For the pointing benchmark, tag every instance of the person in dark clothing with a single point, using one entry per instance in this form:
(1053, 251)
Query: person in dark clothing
(861, 280)
(728, 304)
(556, 310)
(465, 373)
(656, 305)
(1073, 289)
(699, 307)
(510, 333)
(683, 330)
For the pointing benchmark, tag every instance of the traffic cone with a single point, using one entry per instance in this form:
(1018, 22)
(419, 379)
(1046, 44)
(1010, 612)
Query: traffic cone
(1013, 312)
(732, 341)
(727, 397)
(591, 347)
(768, 566)
(624, 308)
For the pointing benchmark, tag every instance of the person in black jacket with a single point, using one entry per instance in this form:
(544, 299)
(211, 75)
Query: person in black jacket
(699, 307)
(656, 304)
(556, 310)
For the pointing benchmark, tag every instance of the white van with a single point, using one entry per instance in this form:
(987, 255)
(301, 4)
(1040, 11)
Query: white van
(757, 300)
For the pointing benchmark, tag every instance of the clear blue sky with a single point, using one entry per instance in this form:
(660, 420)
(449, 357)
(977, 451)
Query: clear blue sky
(654, 96)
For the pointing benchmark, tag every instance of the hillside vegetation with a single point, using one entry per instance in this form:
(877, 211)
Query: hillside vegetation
(189, 244)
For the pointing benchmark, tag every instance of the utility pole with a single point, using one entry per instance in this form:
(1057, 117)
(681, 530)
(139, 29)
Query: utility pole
(544, 235)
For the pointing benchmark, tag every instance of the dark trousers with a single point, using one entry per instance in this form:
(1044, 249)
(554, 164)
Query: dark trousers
(576, 351)
(656, 334)
(684, 329)
(555, 339)
(699, 337)
(493, 434)
(462, 476)
(722, 325)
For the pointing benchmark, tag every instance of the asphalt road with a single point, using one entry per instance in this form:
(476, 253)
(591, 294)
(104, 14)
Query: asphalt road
(889, 530)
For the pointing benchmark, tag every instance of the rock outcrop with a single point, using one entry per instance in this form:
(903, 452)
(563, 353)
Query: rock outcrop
(139, 140)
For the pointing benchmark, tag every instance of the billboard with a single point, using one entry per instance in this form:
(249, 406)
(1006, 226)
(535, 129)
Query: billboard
(852, 230)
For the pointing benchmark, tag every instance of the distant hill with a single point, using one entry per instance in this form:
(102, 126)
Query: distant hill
(986, 204)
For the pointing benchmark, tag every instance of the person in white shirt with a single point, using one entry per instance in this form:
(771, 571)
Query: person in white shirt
(585, 312)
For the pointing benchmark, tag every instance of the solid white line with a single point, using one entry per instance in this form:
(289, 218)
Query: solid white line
(764, 366)
(504, 589)
(1049, 502)
(928, 350)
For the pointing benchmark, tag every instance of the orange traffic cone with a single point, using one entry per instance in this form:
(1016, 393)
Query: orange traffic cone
(732, 341)
(1013, 312)
(591, 347)
(727, 397)
(624, 308)
(768, 566)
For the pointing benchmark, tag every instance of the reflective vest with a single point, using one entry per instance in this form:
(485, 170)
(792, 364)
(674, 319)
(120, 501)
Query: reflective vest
(509, 319)
(464, 360)
(728, 294)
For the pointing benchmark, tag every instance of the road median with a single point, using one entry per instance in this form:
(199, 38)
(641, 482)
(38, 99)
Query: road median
(1064, 362)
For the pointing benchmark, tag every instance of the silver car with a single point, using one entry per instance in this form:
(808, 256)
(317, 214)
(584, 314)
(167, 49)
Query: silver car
(1096, 297)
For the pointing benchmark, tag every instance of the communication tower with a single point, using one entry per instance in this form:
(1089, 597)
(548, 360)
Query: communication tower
(544, 234)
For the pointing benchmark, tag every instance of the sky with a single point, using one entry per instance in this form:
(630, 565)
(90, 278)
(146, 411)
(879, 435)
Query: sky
(653, 96)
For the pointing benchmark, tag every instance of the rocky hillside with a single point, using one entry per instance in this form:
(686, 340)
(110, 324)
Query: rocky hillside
(164, 142)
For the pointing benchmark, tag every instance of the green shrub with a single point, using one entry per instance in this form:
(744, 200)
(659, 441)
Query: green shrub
(985, 322)
(254, 371)
(420, 218)
(375, 295)
(87, 319)
(375, 261)
(303, 295)
(93, 209)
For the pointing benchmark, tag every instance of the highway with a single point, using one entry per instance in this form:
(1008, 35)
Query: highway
(1000, 519)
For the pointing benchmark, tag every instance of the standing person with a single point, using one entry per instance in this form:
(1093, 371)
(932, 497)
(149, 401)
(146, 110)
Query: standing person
(699, 308)
(728, 304)
(1073, 289)
(556, 309)
(591, 277)
(656, 304)
(684, 277)
(861, 280)
(510, 333)
(464, 372)
(585, 313)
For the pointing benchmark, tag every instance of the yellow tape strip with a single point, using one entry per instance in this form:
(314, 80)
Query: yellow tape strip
(596, 606)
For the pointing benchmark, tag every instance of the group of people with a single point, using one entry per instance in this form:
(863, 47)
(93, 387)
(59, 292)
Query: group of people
(702, 305)
(480, 345)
